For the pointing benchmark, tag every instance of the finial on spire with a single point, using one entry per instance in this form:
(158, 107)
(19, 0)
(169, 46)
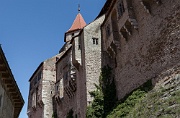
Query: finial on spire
(78, 7)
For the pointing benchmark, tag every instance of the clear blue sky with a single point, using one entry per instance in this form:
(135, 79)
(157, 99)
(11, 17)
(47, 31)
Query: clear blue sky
(33, 30)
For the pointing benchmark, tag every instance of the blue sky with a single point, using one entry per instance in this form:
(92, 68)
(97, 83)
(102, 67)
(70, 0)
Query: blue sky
(33, 30)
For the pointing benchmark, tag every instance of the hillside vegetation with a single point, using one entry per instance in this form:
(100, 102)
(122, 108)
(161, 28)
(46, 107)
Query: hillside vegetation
(159, 101)
(163, 101)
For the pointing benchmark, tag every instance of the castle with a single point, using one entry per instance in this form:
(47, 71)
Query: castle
(138, 39)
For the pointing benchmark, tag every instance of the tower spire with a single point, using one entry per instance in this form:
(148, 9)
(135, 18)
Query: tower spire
(78, 8)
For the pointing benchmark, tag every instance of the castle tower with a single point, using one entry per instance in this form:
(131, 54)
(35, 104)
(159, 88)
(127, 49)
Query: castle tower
(77, 25)
(66, 81)
(86, 58)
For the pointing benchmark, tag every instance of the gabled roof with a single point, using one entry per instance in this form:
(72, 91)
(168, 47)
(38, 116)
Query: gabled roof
(78, 23)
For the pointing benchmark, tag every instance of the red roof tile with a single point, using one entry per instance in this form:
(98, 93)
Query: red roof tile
(78, 23)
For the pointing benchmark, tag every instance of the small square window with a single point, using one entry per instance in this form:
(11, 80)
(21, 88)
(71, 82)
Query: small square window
(95, 41)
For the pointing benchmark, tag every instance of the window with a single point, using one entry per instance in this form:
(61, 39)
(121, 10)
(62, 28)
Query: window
(57, 58)
(121, 9)
(35, 80)
(65, 77)
(95, 41)
(57, 88)
(79, 43)
(108, 32)
(72, 34)
(34, 99)
(39, 75)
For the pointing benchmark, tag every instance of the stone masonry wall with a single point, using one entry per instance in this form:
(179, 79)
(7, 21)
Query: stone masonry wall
(48, 85)
(92, 55)
(152, 48)
(36, 89)
(68, 98)
(6, 106)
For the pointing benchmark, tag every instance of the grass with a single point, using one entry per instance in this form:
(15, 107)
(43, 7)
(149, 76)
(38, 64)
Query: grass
(162, 102)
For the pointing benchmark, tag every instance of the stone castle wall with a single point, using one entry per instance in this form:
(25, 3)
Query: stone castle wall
(140, 46)
(150, 49)
(34, 110)
(89, 72)
(68, 97)
(92, 55)
(48, 85)
(40, 101)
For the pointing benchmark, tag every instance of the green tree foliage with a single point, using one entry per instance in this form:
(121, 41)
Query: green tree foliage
(125, 107)
(54, 115)
(108, 88)
(95, 110)
(104, 95)
(70, 114)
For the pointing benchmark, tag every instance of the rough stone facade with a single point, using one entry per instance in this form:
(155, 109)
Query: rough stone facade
(141, 41)
(65, 85)
(90, 66)
(78, 69)
(11, 101)
(91, 54)
(42, 90)
(138, 39)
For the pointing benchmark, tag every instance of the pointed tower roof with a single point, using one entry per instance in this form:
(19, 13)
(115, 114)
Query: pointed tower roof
(78, 23)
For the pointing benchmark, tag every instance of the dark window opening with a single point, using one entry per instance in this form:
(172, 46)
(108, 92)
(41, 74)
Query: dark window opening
(95, 41)
(39, 76)
(57, 58)
(57, 88)
(121, 9)
(108, 32)
(79, 43)
(35, 80)
(65, 77)
(72, 34)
